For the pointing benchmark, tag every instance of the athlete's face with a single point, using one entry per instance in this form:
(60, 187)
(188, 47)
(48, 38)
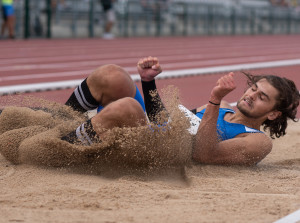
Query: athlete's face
(259, 101)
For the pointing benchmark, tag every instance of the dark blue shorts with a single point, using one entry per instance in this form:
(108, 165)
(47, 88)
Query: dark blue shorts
(7, 10)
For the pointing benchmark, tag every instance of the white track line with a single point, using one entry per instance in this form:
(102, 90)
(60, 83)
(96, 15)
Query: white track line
(48, 86)
(201, 60)
(13, 89)
(291, 218)
(196, 60)
(46, 75)
(11, 64)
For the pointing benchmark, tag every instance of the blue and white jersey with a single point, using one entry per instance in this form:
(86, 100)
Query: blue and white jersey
(226, 130)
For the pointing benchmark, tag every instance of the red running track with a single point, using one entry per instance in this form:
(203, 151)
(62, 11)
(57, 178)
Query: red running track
(37, 61)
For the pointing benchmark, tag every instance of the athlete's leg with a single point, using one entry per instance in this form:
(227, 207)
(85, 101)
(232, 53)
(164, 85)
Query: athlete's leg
(3, 27)
(106, 84)
(110, 20)
(125, 112)
(11, 26)
(46, 148)
(4, 21)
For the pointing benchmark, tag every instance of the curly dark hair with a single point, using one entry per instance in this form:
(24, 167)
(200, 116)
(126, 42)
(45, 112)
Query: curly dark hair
(286, 102)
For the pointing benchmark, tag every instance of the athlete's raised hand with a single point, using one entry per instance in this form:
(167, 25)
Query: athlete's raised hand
(148, 68)
(224, 86)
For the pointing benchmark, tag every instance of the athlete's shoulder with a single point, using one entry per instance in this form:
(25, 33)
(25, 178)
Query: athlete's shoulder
(225, 104)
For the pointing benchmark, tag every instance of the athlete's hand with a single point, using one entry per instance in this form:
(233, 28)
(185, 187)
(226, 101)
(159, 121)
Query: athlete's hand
(148, 68)
(224, 86)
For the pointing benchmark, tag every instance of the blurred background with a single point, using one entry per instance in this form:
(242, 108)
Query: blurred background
(138, 18)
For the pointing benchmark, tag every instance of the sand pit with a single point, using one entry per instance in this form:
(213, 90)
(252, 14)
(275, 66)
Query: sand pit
(212, 193)
(194, 193)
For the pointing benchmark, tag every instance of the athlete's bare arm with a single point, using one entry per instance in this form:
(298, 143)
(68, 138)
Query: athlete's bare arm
(148, 69)
(246, 149)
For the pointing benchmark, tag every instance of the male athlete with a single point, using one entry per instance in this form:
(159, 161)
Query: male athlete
(222, 136)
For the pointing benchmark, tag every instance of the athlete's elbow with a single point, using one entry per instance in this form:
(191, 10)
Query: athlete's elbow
(203, 154)
(252, 160)
(254, 157)
(247, 162)
(201, 158)
(196, 158)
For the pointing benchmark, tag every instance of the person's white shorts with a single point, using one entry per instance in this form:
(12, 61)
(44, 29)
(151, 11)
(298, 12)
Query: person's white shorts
(110, 15)
(194, 120)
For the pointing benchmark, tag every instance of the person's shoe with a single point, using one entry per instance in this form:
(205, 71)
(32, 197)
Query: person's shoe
(108, 36)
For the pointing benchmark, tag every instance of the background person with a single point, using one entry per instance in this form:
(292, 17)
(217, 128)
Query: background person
(8, 18)
(110, 18)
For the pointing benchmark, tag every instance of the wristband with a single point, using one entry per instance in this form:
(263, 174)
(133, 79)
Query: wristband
(213, 103)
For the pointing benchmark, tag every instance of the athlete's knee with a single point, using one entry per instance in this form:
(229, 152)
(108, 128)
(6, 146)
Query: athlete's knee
(130, 108)
(126, 108)
(107, 75)
(125, 112)
(109, 83)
